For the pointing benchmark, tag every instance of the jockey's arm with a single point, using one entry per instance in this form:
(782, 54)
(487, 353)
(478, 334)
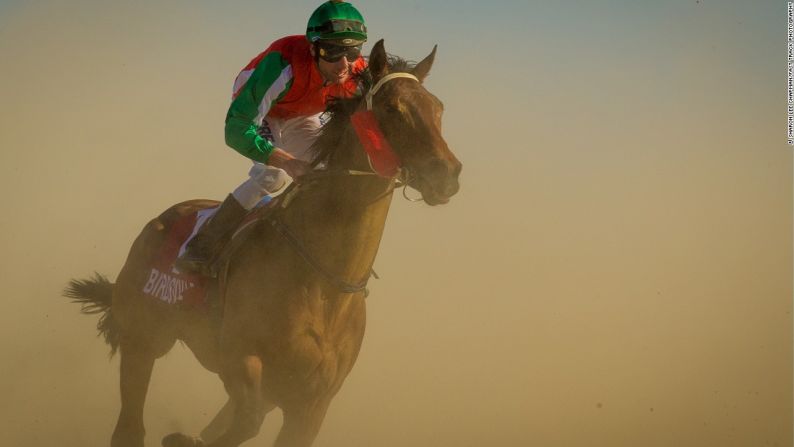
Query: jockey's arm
(268, 83)
(242, 136)
(280, 158)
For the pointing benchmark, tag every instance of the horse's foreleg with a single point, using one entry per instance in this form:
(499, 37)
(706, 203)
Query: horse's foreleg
(244, 383)
(302, 423)
(220, 423)
(136, 369)
(247, 407)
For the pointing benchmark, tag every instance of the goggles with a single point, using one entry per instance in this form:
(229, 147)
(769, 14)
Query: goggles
(333, 53)
(339, 26)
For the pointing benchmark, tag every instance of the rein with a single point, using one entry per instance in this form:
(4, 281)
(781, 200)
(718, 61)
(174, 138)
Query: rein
(342, 285)
(400, 178)
(286, 197)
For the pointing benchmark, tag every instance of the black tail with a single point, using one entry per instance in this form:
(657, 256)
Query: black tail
(95, 295)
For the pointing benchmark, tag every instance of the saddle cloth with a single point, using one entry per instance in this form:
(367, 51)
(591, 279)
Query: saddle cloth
(171, 286)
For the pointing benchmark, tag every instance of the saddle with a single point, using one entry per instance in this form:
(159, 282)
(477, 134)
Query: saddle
(192, 290)
(173, 287)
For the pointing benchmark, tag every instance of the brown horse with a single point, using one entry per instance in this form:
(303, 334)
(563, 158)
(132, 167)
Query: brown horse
(292, 295)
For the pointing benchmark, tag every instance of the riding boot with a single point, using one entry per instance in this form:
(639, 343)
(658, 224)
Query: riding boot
(200, 250)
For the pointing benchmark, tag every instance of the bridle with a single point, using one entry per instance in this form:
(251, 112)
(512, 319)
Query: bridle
(401, 178)
(371, 93)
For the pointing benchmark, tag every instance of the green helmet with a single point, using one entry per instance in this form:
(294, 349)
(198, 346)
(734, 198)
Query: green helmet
(339, 21)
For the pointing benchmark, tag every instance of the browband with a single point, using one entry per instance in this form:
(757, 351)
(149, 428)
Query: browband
(383, 80)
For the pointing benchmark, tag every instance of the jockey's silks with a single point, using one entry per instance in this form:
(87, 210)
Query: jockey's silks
(283, 82)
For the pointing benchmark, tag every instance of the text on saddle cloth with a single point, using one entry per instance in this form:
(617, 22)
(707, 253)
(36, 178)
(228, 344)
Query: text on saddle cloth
(169, 285)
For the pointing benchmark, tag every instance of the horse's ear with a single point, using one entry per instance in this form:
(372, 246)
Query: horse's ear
(378, 61)
(423, 68)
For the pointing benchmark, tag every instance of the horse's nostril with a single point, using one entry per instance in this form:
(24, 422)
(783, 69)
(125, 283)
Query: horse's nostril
(438, 169)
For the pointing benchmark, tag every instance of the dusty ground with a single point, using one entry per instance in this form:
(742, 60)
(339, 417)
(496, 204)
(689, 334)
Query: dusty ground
(616, 270)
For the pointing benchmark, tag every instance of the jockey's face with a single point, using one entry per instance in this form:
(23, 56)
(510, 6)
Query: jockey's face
(334, 71)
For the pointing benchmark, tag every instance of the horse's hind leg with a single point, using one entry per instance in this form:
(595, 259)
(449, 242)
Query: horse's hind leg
(137, 362)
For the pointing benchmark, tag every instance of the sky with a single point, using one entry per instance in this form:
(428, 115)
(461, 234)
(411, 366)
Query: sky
(615, 271)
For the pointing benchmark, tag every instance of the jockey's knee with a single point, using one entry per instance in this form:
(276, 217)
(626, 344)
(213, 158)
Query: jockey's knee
(263, 180)
(268, 177)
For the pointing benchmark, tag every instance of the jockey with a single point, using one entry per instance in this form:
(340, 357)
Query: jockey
(274, 117)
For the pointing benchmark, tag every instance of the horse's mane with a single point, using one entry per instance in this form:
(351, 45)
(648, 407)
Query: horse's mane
(339, 110)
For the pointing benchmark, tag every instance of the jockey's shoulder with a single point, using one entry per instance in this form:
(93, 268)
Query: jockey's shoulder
(290, 45)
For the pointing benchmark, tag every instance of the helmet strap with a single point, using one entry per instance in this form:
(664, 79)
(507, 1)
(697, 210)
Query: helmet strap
(316, 52)
(317, 62)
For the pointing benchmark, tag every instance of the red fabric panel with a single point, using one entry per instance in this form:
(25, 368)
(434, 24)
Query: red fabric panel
(383, 159)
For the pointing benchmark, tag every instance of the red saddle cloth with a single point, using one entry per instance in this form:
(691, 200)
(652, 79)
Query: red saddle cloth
(169, 285)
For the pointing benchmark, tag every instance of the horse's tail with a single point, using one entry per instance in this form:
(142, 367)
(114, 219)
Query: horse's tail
(95, 296)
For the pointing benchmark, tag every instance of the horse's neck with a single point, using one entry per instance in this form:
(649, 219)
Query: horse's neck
(339, 226)
(341, 220)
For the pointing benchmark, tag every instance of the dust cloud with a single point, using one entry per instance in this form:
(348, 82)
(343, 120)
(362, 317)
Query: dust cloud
(616, 270)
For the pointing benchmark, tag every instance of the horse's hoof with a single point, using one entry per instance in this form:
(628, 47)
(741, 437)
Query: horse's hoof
(180, 440)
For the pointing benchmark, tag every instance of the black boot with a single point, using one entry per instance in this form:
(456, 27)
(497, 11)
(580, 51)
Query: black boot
(211, 235)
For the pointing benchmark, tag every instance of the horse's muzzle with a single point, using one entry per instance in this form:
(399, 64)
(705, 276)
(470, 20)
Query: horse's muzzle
(438, 181)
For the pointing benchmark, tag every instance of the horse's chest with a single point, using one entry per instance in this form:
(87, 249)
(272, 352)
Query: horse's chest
(319, 346)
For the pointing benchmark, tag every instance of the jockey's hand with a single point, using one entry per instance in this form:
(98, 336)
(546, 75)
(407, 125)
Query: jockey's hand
(296, 168)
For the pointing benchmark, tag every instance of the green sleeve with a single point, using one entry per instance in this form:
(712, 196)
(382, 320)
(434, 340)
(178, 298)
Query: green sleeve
(269, 82)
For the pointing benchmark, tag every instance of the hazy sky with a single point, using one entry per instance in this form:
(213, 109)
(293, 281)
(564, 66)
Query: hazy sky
(616, 270)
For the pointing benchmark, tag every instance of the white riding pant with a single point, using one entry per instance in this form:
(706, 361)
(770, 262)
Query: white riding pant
(294, 136)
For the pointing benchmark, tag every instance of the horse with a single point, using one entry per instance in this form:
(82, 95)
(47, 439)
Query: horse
(292, 293)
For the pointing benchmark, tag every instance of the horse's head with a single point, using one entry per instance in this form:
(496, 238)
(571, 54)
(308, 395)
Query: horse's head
(410, 119)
